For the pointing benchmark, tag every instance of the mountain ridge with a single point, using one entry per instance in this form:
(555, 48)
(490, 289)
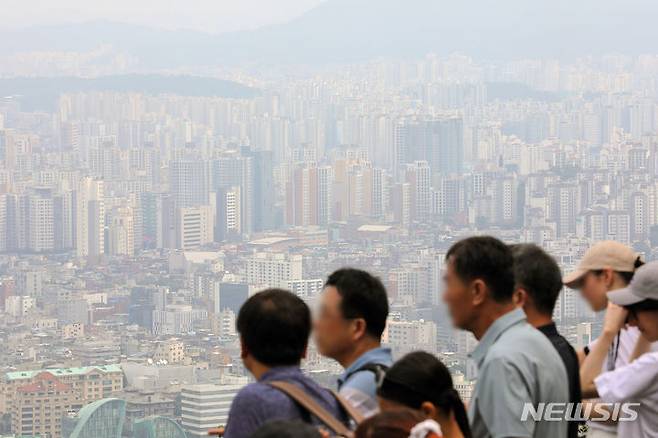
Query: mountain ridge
(41, 93)
(353, 30)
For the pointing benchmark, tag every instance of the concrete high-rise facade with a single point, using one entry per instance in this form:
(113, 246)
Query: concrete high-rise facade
(251, 171)
(273, 269)
(309, 195)
(228, 219)
(563, 207)
(90, 218)
(121, 232)
(189, 182)
(439, 141)
(420, 182)
(205, 407)
(194, 227)
(41, 221)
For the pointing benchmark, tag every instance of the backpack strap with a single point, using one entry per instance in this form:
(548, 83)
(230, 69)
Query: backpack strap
(312, 406)
(377, 369)
(351, 411)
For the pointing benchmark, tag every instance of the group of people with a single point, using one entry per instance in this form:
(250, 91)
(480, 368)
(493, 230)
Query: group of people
(531, 382)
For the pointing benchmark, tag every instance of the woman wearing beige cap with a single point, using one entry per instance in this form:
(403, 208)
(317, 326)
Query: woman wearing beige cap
(605, 267)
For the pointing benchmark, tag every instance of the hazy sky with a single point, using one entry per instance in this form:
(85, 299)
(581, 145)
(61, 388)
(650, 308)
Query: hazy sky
(206, 15)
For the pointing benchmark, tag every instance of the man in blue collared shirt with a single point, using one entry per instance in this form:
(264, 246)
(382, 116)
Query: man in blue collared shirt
(348, 329)
(518, 368)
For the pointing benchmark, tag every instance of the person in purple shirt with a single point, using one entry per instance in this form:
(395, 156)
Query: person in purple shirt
(274, 327)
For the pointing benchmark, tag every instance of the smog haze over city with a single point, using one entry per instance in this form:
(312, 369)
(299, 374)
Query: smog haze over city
(161, 162)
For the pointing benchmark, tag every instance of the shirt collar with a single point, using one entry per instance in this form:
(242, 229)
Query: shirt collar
(278, 373)
(492, 334)
(549, 329)
(380, 355)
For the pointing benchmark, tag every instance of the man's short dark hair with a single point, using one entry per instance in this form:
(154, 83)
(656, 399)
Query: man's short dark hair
(538, 274)
(362, 296)
(274, 326)
(488, 259)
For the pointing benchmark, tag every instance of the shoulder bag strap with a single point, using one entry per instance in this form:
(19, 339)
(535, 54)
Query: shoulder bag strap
(312, 406)
(352, 412)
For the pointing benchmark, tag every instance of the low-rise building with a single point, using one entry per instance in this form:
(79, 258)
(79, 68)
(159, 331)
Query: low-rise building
(87, 383)
(38, 407)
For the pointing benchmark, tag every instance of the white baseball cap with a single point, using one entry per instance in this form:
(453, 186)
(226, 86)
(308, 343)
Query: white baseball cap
(643, 286)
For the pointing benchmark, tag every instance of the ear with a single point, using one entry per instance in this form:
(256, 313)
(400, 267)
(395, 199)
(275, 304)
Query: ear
(429, 410)
(244, 351)
(305, 352)
(358, 328)
(608, 276)
(520, 297)
(479, 291)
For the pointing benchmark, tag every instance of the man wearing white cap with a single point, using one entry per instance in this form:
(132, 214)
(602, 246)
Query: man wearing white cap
(605, 267)
(636, 382)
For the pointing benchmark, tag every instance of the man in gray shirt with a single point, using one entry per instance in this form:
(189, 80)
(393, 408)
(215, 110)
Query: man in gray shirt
(518, 368)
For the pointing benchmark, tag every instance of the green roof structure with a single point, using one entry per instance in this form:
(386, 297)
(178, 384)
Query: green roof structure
(158, 427)
(59, 372)
(100, 419)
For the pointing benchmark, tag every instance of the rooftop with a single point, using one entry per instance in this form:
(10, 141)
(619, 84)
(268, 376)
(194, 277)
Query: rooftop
(58, 372)
(373, 228)
(265, 241)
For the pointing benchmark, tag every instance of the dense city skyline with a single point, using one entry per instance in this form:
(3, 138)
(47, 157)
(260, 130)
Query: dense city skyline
(136, 220)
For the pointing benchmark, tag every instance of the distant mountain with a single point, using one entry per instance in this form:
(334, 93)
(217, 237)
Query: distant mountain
(347, 30)
(339, 30)
(154, 47)
(42, 93)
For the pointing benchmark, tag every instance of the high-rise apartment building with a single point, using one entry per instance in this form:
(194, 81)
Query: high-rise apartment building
(121, 232)
(19, 306)
(439, 141)
(41, 221)
(90, 218)
(358, 189)
(70, 135)
(563, 207)
(235, 171)
(228, 219)
(420, 182)
(309, 195)
(157, 219)
(189, 182)
(401, 203)
(506, 201)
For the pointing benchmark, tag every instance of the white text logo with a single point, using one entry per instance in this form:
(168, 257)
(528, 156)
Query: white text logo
(580, 412)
